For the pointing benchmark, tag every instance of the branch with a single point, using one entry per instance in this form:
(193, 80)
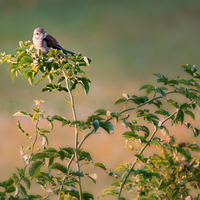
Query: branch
(140, 153)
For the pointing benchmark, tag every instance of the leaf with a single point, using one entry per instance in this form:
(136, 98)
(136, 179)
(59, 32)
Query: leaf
(42, 78)
(35, 168)
(10, 189)
(179, 116)
(19, 126)
(24, 60)
(41, 155)
(107, 126)
(161, 91)
(8, 183)
(162, 112)
(30, 76)
(120, 100)
(28, 183)
(79, 174)
(59, 167)
(184, 152)
(101, 165)
(191, 114)
(146, 86)
(95, 125)
(87, 196)
(93, 177)
(148, 90)
(7, 57)
(100, 112)
(185, 105)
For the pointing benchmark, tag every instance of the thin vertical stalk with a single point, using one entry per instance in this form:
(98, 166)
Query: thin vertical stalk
(76, 131)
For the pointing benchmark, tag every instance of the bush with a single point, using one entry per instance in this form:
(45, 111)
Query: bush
(168, 174)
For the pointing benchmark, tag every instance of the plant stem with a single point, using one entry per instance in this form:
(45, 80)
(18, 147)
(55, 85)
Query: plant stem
(79, 146)
(146, 102)
(141, 151)
(76, 132)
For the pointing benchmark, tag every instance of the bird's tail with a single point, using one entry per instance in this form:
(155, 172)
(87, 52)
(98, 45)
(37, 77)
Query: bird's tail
(68, 52)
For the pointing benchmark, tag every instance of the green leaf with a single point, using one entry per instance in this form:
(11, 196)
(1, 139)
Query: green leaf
(93, 177)
(160, 91)
(101, 165)
(87, 196)
(100, 112)
(184, 152)
(191, 114)
(162, 112)
(79, 174)
(146, 86)
(8, 183)
(42, 155)
(28, 183)
(30, 76)
(7, 57)
(10, 189)
(95, 125)
(120, 100)
(35, 168)
(42, 78)
(24, 60)
(59, 167)
(107, 126)
(185, 105)
(179, 116)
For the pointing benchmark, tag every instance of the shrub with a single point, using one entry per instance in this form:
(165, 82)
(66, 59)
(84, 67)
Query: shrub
(168, 174)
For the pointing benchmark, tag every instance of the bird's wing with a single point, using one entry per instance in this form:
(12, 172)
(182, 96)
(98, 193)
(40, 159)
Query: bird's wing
(52, 42)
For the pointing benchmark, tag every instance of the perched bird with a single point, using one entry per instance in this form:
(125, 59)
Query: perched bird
(44, 42)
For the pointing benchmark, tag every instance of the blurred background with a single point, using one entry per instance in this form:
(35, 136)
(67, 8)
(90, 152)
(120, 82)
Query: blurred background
(127, 42)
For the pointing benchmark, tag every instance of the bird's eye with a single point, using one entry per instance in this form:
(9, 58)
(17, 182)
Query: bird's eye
(37, 33)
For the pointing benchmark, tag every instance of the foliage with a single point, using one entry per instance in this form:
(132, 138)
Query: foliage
(169, 174)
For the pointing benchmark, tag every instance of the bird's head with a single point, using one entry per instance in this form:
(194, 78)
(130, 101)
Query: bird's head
(39, 33)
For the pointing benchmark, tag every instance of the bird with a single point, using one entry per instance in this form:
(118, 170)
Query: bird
(43, 41)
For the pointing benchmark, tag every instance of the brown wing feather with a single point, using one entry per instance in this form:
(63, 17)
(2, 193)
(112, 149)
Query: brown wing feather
(51, 42)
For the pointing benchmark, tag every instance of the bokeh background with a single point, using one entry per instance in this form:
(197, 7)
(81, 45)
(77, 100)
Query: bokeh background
(127, 42)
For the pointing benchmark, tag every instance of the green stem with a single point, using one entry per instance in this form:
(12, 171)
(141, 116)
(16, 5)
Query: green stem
(79, 146)
(146, 102)
(76, 131)
(141, 151)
